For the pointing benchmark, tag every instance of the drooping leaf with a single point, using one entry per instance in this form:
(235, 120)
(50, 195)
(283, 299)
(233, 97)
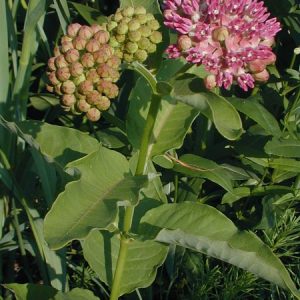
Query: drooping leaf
(285, 148)
(142, 260)
(204, 229)
(196, 166)
(36, 291)
(254, 110)
(91, 202)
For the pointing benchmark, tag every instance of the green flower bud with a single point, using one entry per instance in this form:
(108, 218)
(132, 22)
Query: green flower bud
(92, 76)
(51, 64)
(79, 79)
(113, 42)
(102, 36)
(144, 43)
(60, 61)
(156, 37)
(142, 19)
(72, 55)
(120, 38)
(111, 25)
(63, 74)
(76, 69)
(83, 106)
(73, 29)
(79, 43)
(145, 31)
(141, 55)
(66, 38)
(122, 28)
(131, 47)
(103, 104)
(93, 97)
(68, 99)
(119, 53)
(114, 62)
(140, 10)
(153, 24)
(152, 48)
(52, 78)
(134, 36)
(150, 17)
(117, 17)
(68, 87)
(92, 46)
(85, 87)
(93, 114)
(87, 60)
(85, 32)
(128, 11)
(128, 57)
(134, 25)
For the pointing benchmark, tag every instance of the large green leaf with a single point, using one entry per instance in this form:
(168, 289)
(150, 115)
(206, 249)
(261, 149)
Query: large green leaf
(215, 107)
(285, 148)
(254, 110)
(43, 292)
(60, 143)
(151, 6)
(285, 164)
(91, 202)
(204, 229)
(196, 166)
(171, 125)
(101, 250)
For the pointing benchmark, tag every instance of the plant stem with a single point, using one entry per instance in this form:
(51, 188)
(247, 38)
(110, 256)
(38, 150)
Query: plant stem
(140, 169)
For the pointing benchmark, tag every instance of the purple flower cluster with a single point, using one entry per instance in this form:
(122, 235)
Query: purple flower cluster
(232, 39)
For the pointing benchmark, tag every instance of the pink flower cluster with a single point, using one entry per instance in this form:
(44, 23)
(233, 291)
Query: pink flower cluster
(231, 38)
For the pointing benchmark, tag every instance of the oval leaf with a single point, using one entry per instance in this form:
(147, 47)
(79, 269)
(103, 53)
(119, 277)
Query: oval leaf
(285, 148)
(204, 229)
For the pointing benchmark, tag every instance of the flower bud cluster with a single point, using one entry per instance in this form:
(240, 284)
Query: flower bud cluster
(84, 70)
(232, 39)
(134, 33)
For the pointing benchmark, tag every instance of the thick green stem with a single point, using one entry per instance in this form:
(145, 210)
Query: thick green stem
(141, 166)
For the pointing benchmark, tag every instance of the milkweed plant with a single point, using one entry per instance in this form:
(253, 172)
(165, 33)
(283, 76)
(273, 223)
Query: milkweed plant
(151, 127)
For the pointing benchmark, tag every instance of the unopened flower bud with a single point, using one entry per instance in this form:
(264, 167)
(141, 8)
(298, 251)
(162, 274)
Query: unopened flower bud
(86, 87)
(297, 51)
(66, 38)
(184, 42)
(92, 46)
(68, 87)
(153, 24)
(131, 47)
(118, 53)
(85, 32)
(56, 51)
(92, 76)
(93, 97)
(117, 17)
(51, 64)
(73, 29)
(271, 59)
(220, 34)
(87, 60)
(76, 69)
(111, 25)
(120, 38)
(133, 25)
(72, 55)
(141, 55)
(128, 11)
(96, 28)
(150, 17)
(210, 81)
(142, 19)
(77, 80)
(68, 99)
(102, 36)
(79, 43)
(113, 42)
(256, 66)
(152, 48)
(114, 62)
(93, 114)
(103, 103)
(52, 78)
(145, 31)
(261, 76)
(63, 74)
(144, 43)
(60, 61)
(140, 10)
(134, 36)
(49, 88)
(83, 106)
(128, 57)
(112, 92)
(156, 37)
(57, 89)
(122, 28)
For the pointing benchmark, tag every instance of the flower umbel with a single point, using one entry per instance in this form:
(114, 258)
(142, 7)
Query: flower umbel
(232, 38)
